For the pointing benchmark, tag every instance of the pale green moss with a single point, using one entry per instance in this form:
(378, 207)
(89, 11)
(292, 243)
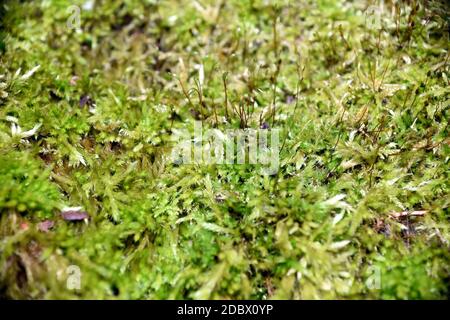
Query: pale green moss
(369, 131)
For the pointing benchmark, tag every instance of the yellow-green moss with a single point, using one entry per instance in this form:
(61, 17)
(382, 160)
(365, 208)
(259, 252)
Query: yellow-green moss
(364, 118)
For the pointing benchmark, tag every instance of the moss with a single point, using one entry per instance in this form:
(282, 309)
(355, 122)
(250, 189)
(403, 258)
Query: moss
(24, 182)
(88, 114)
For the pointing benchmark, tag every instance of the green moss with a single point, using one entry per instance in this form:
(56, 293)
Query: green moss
(25, 186)
(87, 118)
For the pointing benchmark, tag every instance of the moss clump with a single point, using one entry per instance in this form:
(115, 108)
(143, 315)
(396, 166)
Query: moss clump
(24, 182)
(357, 209)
